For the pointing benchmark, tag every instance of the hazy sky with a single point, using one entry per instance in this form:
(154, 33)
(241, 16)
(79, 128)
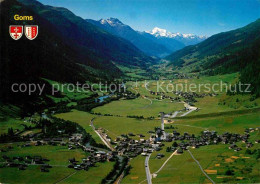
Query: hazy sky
(202, 17)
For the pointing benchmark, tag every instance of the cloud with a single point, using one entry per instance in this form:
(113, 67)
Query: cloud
(222, 24)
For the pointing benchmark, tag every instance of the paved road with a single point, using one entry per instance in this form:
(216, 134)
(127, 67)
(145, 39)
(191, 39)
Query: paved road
(201, 167)
(151, 102)
(175, 114)
(119, 179)
(186, 113)
(134, 90)
(65, 177)
(191, 126)
(147, 170)
(103, 139)
(174, 153)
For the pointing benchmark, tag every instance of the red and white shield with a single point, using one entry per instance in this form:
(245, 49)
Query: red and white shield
(31, 31)
(16, 31)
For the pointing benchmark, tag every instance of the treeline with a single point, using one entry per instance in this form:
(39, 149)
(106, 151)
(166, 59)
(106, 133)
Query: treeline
(118, 169)
(58, 127)
(11, 136)
(89, 104)
(247, 62)
(134, 116)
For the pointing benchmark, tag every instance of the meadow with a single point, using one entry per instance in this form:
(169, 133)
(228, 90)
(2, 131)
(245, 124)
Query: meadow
(116, 126)
(83, 119)
(58, 156)
(69, 93)
(235, 123)
(215, 160)
(138, 107)
(137, 172)
(14, 123)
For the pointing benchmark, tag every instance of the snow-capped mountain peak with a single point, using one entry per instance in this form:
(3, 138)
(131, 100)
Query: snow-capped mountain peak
(158, 32)
(111, 21)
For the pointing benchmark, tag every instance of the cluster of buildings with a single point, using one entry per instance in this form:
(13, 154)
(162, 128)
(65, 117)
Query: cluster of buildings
(126, 145)
(163, 96)
(130, 147)
(188, 96)
(22, 162)
(90, 161)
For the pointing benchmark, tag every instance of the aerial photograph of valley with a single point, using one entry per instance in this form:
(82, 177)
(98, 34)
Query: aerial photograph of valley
(129, 91)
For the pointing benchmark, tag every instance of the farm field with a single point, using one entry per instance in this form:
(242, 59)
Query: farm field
(137, 172)
(235, 123)
(58, 156)
(155, 163)
(115, 126)
(215, 160)
(70, 93)
(12, 123)
(83, 119)
(33, 174)
(83, 176)
(138, 107)
(219, 159)
(152, 85)
(180, 169)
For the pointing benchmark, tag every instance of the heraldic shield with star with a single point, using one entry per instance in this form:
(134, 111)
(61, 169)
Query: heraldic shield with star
(31, 31)
(16, 31)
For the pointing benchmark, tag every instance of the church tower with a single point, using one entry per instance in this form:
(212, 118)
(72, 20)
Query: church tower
(163, 137)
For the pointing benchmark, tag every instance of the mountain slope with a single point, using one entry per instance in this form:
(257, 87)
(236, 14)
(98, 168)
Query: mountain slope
(116, 27)
(87, 36)
(67, 49)
(227, 52)
(48, 56)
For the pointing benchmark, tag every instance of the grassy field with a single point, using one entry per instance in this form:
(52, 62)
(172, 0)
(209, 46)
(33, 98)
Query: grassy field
(58, 156)
(92, 176)
(219, 159)
(116, 126)
(133, 73)
(139, 107)
(10, 118)
(235, 123)
(216, 159)
(69, 92)
(154, 85)
(137, 172)
(83, 119)
(15, 123)
(181, 128)
(180, 169)
(219, 103)
(155, 163)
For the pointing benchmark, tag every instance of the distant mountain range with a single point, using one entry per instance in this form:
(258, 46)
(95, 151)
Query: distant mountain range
(157, 42)
(233, 51)
(147, 45)
(186, 39)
